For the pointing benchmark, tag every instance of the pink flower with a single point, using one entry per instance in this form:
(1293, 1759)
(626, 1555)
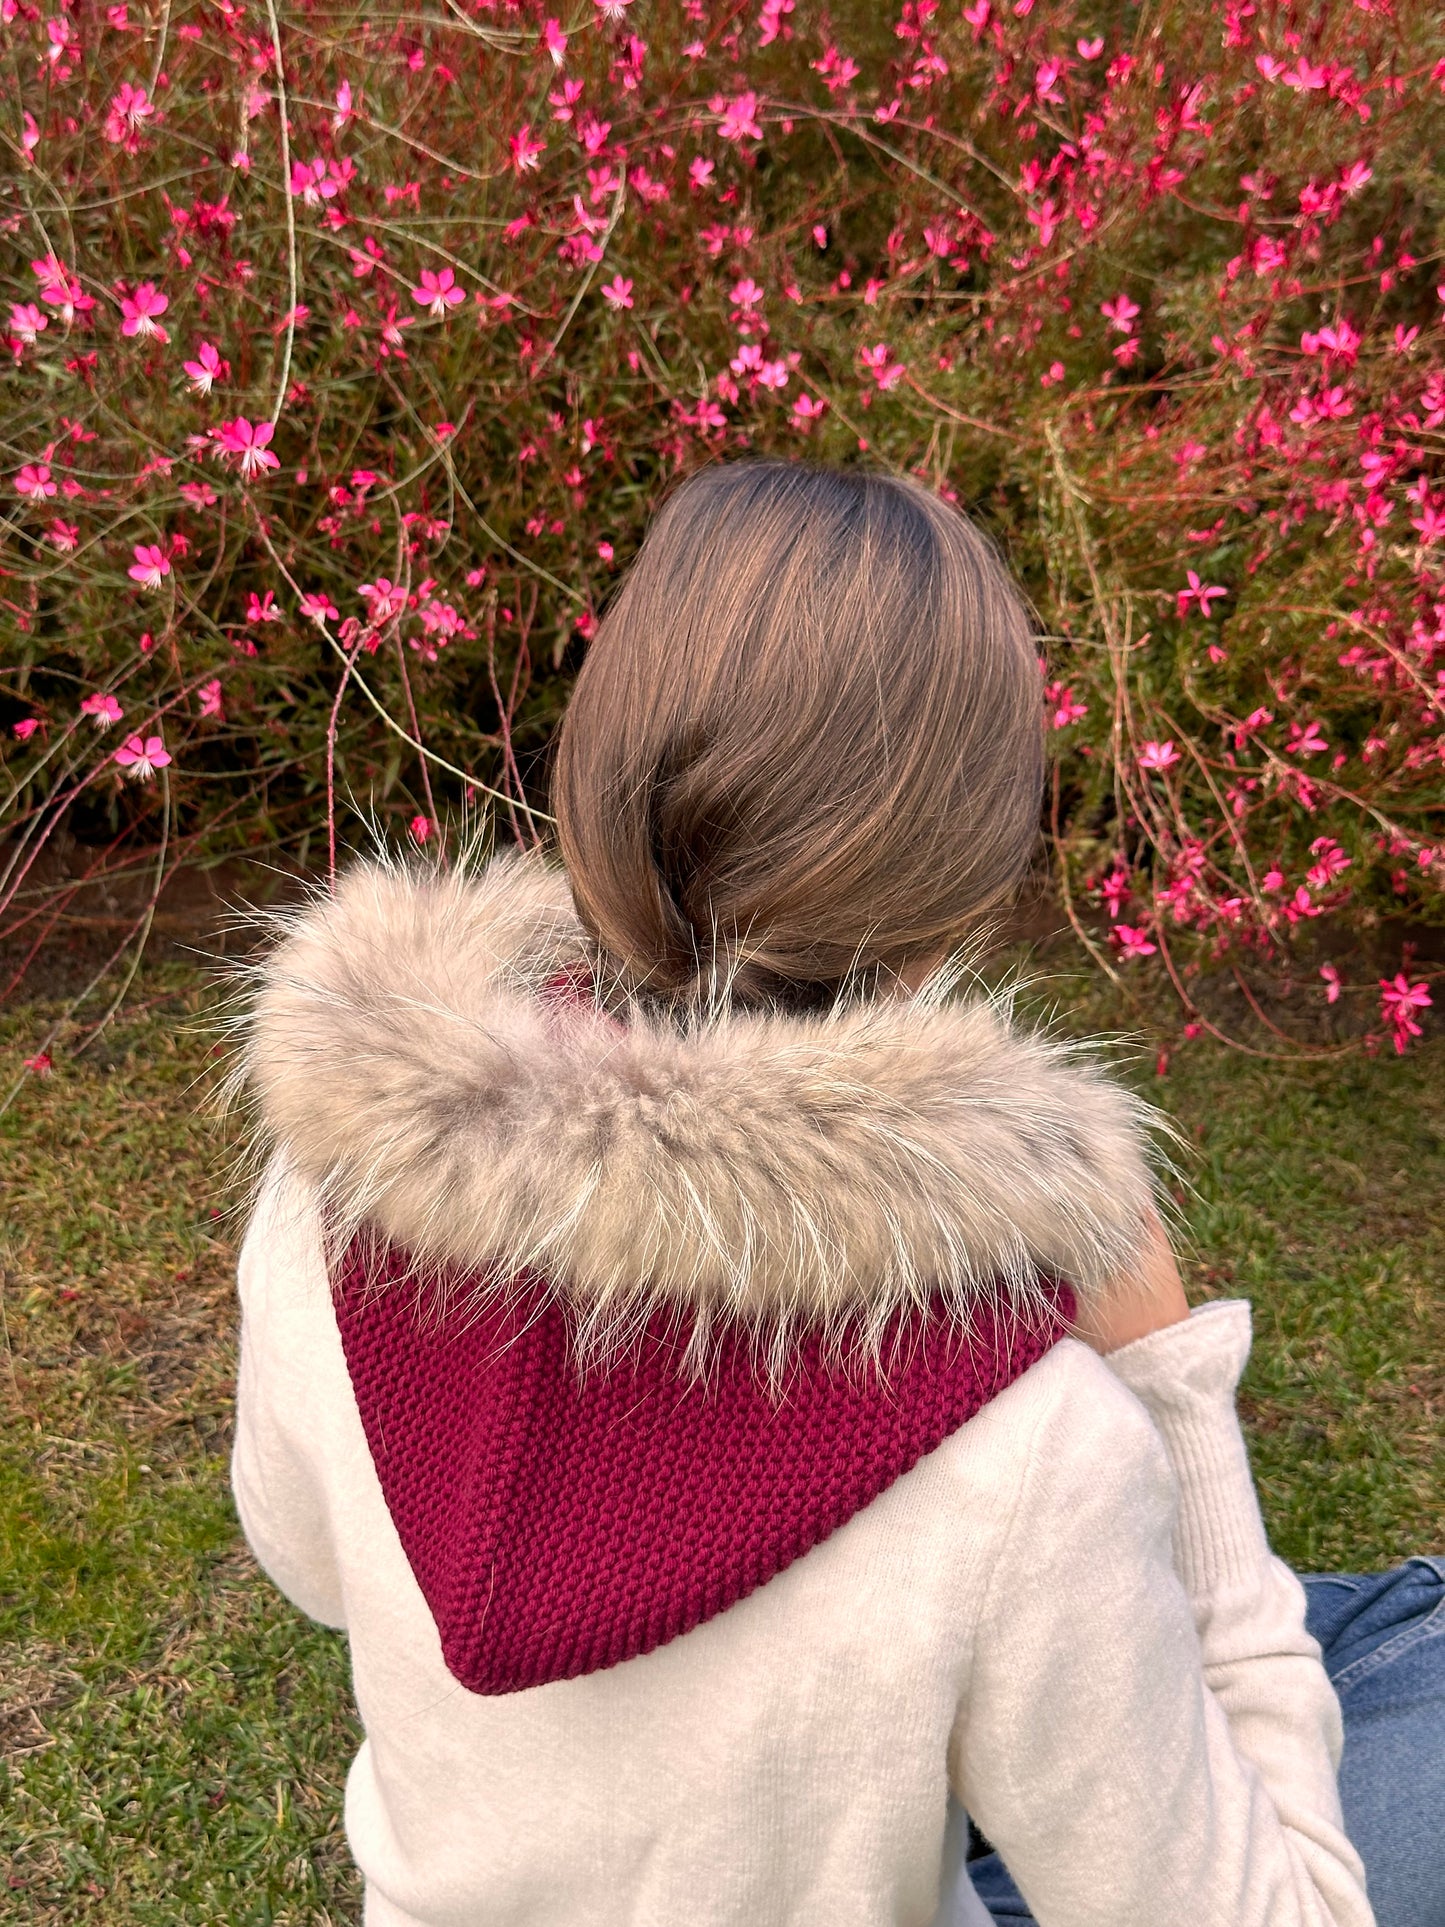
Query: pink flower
(1090, 49)
(262, 608)
(206, 369)
(150, 567)
(1197, 592)
(59, 288)
(1158, 755)
(1065, 705)
(527, 150)
(103, 708)
(139, 311)
(700, 172)
(383, 599)
(807, 408)
(141, 756)
(1305, 739)
(200, 495)
(1120, 313)
(314, 181)
(320, 608)
(210, 695)
(746, 293)
(65, 535)
(1116, 892)
(34, 481)
(437, 291)
(247, 441)
(886, 372)
(1400, 999)
(1332, 983)
(554, 41)
(737, 118)
(618, 293)
(420, 827)
(26, 321)
(344, 106)
(129, 110)
(41, 1065)
(25, 728)
(1131, 942)
(1330, 860)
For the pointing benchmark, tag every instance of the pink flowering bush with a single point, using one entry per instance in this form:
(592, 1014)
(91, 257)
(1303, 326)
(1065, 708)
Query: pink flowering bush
(347, 352)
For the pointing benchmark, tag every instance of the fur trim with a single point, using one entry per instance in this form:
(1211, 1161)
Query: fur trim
(784, 1172)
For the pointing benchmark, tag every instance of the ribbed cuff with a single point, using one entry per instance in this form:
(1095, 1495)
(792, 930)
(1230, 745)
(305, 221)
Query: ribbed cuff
(1185, 1375)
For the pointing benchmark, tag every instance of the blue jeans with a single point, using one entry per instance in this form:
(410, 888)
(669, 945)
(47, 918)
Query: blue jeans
(1383, 1640)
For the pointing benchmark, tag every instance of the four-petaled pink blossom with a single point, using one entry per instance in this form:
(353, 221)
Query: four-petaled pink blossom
(141, 756)
(25, 728)
(1090, 49)
(139, 311)
(207, 369)
(1198, 592)
(129, 109)
(1332, 983)
(886, 372)
(526, 150)
(102, 707)
(151, 565)
(618, 292)
(320, 608)
(1132, 942)
(554, 41)
(746, 293)
(1305, 739)
(383, 599)
(210, 695)
(262, 608)
(807, 408)
(421, 828)
(1120, 313)
(437, 291)
(737, 118)
(64, 535)
(1158, 755)
(247, 442)
(1400, 999)
(34, 480)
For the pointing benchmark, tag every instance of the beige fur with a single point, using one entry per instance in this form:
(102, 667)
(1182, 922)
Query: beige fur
(783, 1172)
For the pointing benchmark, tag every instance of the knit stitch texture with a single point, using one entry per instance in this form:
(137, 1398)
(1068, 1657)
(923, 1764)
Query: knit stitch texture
(558, 1523)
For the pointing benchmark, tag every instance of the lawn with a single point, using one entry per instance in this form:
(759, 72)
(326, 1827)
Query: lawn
(175, 1737)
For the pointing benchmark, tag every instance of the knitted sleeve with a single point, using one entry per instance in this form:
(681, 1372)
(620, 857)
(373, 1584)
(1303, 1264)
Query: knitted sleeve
(1148, 1733)
(277, 1481)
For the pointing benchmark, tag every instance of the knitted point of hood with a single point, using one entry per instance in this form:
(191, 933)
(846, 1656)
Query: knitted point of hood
(637, 1312)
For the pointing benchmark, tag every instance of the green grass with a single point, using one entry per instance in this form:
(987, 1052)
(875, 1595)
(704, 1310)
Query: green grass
(176, 1737)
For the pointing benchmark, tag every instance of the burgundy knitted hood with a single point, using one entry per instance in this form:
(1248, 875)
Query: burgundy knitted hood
(637, 1315)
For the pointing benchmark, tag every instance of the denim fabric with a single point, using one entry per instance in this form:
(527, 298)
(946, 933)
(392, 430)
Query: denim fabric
(1383, 1640)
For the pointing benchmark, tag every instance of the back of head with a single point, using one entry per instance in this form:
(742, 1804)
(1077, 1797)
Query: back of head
(806, 741)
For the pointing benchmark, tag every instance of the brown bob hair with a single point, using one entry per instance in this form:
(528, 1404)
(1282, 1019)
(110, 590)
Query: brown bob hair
(806, 745)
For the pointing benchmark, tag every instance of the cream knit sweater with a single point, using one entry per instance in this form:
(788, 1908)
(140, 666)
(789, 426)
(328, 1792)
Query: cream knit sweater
(1066, 1617)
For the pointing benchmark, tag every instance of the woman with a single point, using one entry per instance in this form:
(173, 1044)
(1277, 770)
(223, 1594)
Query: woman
(737, 1398)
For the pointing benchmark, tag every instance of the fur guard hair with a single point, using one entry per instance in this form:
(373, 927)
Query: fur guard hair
(775, 1172)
